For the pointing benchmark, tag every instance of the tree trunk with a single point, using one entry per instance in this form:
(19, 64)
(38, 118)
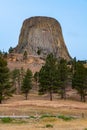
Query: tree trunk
(63, 93)
(0, 97)
(81, 97)
(84, 100)
(51, 97)
(19, 86)
(0, 101)
(26, 96)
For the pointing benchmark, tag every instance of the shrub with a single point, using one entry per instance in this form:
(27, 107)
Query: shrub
(49, 126)
(6, 120)
(32, 117)
(65, 118)
(47, 115)
(39, 51)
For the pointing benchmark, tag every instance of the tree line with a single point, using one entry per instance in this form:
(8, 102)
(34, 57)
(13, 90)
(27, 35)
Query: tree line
(53, 77)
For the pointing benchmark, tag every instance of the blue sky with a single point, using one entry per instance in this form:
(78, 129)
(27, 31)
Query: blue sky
(72, 15)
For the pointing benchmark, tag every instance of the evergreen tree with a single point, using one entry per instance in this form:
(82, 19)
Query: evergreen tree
(1, 54)
(16, 80)
(5, 85)
(63, 74)
(22, 74)
(53, 76)
(74, 65)
(10, 50)
(17, 76)
(25, 55)
(48, 77)
(36, 78)
(5, 55)
(27, 83)
(79, 80)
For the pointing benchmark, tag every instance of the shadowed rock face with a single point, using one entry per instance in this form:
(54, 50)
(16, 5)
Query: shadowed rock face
(41, 36)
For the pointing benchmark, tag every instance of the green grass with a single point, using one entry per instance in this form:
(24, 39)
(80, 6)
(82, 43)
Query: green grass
(43, 117)
(32, 117)
(13, 121)
(65, 118)
(6, 120)
(46, 116)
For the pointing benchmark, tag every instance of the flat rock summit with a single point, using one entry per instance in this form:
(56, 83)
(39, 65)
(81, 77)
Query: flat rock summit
(40, 36)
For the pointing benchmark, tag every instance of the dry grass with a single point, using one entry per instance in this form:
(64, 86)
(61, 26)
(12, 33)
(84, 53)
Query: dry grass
(37, 106)
(79, 124)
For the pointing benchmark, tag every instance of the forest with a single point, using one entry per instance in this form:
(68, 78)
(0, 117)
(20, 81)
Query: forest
(55, 76)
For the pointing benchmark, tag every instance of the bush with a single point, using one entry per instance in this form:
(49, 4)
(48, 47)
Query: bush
(65, 118)
(32, 117)
(6, 120)
(47, 116)
(39, 51)
(49, 126)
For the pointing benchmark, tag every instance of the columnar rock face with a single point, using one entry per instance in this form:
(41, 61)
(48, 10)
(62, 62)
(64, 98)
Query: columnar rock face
(41, 36)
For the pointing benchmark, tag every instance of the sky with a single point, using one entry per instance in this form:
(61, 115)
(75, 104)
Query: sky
(71, 14)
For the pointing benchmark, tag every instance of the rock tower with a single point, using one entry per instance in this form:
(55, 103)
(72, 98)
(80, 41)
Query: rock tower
(40, 36)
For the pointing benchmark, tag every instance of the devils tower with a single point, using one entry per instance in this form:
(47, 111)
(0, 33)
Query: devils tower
(41, 36)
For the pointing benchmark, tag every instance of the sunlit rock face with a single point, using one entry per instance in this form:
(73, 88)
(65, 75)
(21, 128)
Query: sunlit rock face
(41, 36)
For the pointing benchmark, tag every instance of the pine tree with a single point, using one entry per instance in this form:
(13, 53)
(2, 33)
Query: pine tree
(25, 55)
(16, 80)
(27, 83)
(5, 85)
(48, 77)
(10, 50)
(79, 80)
(63, 74)
(36, 78)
